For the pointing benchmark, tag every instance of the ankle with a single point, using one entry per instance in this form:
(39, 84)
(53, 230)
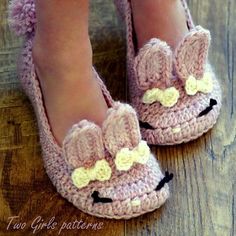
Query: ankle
(163, 19)
(65, 57)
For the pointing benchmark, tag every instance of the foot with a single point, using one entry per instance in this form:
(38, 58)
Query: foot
(70, 91)
(163, 19)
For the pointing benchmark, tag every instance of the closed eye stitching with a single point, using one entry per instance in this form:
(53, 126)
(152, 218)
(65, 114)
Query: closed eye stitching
(213, 103)
(145, 125)
(168, 177)
(97, 199)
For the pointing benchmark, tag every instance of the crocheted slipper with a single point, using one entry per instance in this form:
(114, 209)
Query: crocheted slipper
(176, 94)
(108, 171)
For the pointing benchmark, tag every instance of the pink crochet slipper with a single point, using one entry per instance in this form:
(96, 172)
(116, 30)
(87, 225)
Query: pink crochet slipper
(176, 94)
(105, 171)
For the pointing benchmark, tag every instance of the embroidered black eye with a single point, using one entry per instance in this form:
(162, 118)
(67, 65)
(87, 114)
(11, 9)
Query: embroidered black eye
(168, 177)
(145, 125)
(213, 103)
(97, 199)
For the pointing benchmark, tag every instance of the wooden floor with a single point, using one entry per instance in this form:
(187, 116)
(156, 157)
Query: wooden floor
(203, 192)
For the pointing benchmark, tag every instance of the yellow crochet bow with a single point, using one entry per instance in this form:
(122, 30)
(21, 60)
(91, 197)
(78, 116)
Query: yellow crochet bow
(125, 158)
(167, 97)
(100, 171)
(204, 85)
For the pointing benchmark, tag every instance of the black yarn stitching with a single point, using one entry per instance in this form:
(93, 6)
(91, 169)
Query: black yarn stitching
(213, 103)
(168, 177)
(97, 199)
(145, 125)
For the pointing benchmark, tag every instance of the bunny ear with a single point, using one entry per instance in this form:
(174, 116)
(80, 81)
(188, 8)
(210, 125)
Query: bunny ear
(121, 128)
(153, 65)
(191, 54)
(83, 145)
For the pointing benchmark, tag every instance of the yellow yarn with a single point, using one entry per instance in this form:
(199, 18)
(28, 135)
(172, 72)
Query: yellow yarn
(136, 202)
(204, 85)
(176, 130)
(125, 158)
(167, 97)
(101, 171)
(80, 177)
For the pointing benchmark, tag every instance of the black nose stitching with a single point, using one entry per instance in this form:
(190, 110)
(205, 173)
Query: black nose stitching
(97, 199)
(213, 103)
(168, 177)
(145, 125)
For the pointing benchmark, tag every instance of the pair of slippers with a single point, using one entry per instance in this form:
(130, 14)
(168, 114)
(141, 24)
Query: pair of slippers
(109, 171)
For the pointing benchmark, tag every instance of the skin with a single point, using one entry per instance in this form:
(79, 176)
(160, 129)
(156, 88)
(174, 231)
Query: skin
(62, 55)
(163, 19)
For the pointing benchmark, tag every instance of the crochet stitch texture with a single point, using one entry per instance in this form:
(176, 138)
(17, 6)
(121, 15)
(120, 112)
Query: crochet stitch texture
(103, 190)
(177, 117)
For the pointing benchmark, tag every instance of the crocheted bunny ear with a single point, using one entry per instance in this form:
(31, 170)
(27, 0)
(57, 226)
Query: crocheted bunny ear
(22, 17)
(191, 54)
(153, 65)
(83, 145)
(121, 128)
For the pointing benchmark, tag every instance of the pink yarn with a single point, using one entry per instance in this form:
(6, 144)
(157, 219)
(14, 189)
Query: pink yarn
(121, 128)
(153, 65)
(85, 143)
(180, 123)
(191, 54)
(22, 17)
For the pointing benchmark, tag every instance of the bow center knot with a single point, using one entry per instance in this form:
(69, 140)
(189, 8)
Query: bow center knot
(100, 171)
(167, 97)
(126, 158)
(204, 85)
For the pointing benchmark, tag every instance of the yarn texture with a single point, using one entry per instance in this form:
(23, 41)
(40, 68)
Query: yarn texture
(204, 85)
(83, 170)
(126, 158)
(185, 112)
(22, 17)
(167, 97)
